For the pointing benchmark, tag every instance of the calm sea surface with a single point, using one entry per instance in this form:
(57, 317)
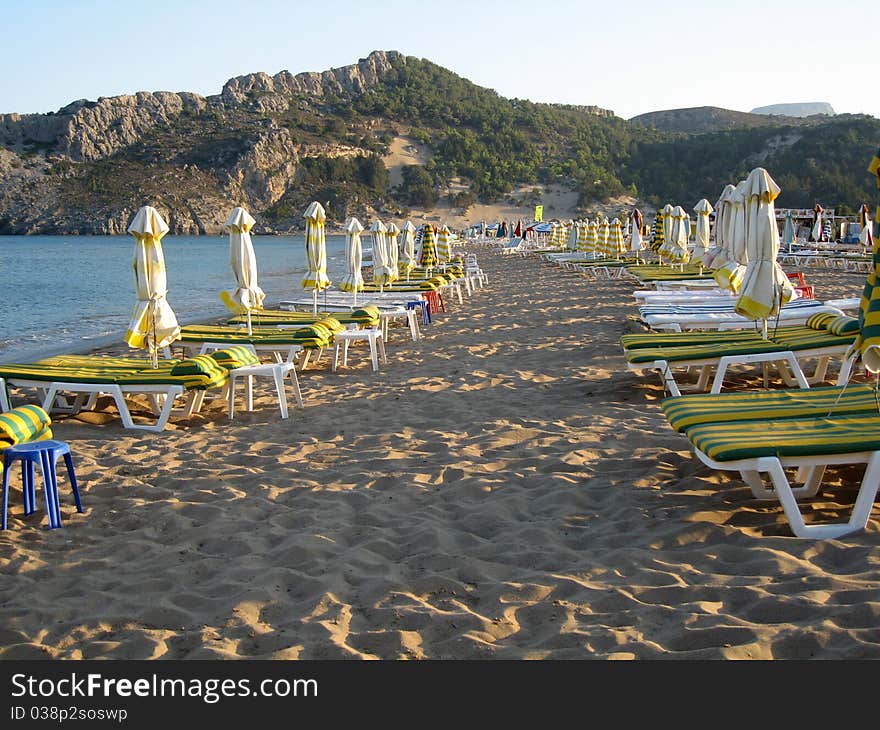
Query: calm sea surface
(71, 293)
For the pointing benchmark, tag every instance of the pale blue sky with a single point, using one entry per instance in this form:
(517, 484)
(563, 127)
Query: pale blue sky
(629, 56)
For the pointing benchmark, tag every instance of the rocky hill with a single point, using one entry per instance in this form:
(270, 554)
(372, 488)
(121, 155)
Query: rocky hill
(702, 119)
(274, 143)
(803, 109)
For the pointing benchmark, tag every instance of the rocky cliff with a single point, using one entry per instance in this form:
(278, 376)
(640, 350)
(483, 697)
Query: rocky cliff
(55, 169)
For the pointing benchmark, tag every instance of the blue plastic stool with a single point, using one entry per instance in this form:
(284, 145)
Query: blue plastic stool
(424, 306)
(46, 453)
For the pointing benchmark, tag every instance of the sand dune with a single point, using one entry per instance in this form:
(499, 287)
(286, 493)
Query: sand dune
(501, 489)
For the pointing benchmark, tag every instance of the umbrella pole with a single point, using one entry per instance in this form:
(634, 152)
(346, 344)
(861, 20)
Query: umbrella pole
(315, 300)
(249, 323)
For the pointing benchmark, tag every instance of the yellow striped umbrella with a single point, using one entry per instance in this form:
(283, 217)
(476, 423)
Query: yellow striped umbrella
(615, 238)
(593, 240)
(382, 273)
(444, 246)
(153, 324)
(248, 296)
(604, 244)
(316, 251)
(582, 235)
(428, 257)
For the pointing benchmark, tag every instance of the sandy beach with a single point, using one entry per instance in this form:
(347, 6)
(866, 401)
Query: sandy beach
(502, 489)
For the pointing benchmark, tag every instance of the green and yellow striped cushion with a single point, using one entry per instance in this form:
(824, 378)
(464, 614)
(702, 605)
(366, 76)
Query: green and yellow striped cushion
(843, 325)
(820, 320)
(204, 371)
(237, 356)
(787, 437)
(702, 351)
(636, 340)
(23, 424)
(693, 409)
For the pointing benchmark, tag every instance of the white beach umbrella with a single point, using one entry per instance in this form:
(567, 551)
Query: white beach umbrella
(730, 274)
(571, 242)
(703, 209)
(248, 296)
(717, 254)
(153, 324)
(393, 232)
(316, 252)
(637, 220)
(765, 286)
(677, 245)
(788, 234)
(866, 237)
(353, 280)
(382, 274)
(408, 247)
(668, 222)
(816, 233)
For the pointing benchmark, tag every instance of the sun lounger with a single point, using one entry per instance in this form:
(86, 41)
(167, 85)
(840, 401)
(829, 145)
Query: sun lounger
(87, 376)
(283, 343)
(56, 377)
(786, 347)
(759, 448)
(721, 315)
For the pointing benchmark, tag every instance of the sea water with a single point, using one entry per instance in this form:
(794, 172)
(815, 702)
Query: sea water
(74, 293)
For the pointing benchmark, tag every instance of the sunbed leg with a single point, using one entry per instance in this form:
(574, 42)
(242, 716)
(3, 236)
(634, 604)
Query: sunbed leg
(703, 380)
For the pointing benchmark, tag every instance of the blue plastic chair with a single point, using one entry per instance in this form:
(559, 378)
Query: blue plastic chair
(46, 453)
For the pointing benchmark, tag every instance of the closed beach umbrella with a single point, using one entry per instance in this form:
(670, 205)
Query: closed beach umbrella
(717, 255)
(593, 238)
(615, 238)
(678, 244)
(444, 245)
(583, 236)
(393, 232)
(428, 257)
(637, 220)
(703, 209)
(730, 274)
(153, 324)
(866, 237)
(248, 296)
(316, 252)
(408, 247)
(816, 233)
(765, 286)
(668, 222)
(571, 241)
(604, 243)
(657, 232)
(788, 236)
(382, 274)
(353, 280)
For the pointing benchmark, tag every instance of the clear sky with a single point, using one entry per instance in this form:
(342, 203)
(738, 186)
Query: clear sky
(631, 56)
